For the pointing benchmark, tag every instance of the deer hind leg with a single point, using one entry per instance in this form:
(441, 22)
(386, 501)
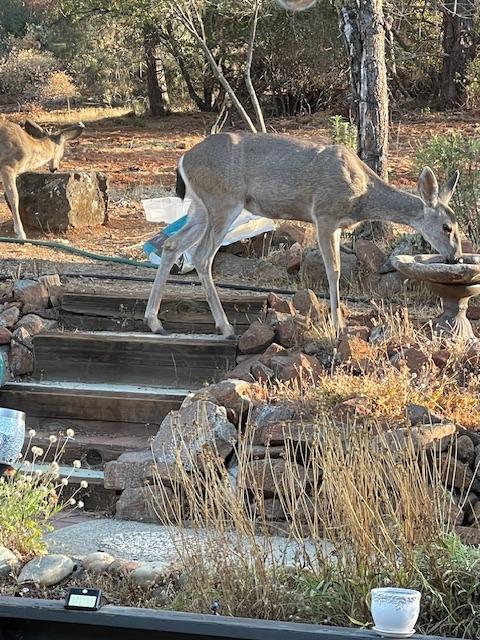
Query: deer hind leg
(330, 248)
(183, 240)
(203, 256)
(11, 194)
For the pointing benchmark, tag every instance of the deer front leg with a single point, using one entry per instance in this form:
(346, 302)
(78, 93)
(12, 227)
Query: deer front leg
(11, 193)
(330, 248)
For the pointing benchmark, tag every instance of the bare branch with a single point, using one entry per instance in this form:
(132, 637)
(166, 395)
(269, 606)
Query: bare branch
(248, 69)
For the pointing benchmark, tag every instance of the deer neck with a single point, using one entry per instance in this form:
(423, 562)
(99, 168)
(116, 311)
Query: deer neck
(41, 152)
(385, 202)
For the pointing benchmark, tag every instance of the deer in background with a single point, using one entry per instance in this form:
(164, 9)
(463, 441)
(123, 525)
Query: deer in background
(28, 149)
(291, 179)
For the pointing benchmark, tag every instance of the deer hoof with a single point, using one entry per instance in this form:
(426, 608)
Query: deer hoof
(156, 326)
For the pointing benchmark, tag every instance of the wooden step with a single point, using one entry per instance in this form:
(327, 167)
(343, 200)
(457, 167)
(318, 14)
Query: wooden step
(95, 497)
(93, 451)
(89, 409)
(93, 312)
(176, 360)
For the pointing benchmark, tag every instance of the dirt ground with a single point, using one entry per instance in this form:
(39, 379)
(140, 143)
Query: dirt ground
(140, 154)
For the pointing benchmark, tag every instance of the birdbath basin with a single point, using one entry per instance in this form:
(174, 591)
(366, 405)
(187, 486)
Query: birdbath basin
(454, 283)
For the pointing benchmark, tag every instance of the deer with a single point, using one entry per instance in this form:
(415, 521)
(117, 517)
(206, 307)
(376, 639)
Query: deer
(28, 149)
(286, 178)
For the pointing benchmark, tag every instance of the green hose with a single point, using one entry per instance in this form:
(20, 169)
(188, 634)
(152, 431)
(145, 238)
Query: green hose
(59, 246)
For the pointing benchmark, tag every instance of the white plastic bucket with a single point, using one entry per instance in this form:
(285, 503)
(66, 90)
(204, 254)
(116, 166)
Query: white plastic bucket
(165, 209)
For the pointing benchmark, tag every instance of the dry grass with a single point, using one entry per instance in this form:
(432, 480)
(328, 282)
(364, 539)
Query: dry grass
(360, 512)
(85, 114)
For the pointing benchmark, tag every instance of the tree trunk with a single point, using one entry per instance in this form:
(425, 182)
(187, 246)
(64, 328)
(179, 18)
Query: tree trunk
(459, 50)
(158, 97)
(363, 30)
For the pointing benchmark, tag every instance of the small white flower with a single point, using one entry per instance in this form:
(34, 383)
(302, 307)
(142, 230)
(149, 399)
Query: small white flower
(27, 464)
(77, 464)
(37, 451)
(83, 484)
(80, 504)
(52, 439)
(64, 482)
(32, 433)
(39, 472)
(54, 466)
(70, 433)
(72, 502)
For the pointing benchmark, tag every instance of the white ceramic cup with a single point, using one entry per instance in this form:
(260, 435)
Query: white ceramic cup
(394, 609)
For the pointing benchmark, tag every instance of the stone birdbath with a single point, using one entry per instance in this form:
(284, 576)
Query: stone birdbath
(454, 283)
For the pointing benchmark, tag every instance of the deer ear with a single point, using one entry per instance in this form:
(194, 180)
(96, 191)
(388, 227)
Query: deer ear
(428, 187)
(35, 130)
(73, 132)
(448, 189)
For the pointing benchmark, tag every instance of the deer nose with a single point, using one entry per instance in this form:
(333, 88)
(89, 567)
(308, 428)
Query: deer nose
(53, 169)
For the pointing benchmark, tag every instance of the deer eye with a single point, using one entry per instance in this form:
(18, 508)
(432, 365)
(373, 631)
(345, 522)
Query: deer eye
(447, 228)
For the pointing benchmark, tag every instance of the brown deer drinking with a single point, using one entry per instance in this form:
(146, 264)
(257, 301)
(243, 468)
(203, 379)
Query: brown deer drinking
(287, 178)
(28, 149)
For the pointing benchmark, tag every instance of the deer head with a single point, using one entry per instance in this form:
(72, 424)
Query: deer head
(438, 224)
(59, 139)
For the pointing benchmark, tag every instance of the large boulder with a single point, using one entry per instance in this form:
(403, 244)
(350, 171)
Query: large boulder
(55, 202)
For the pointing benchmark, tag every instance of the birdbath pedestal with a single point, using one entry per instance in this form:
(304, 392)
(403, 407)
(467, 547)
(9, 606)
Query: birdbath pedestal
(454, 283)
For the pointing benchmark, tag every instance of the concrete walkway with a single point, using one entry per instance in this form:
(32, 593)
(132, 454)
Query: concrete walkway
(151, 542)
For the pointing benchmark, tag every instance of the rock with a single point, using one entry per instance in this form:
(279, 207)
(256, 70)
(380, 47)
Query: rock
(269, 476)
(122, 567)
(9, 563)
(290, 332)
(436, 437)
(63, 200)
(409, 245)
(442, 358)
(380, 334)
(457, 474)
(308, 305)
(473, 517)
(5, 335)
(238, 396)
(287, 234)
(279, 304)
(313, 273)
(369, 255)
(270, 414)
(414, 359)
(98, 562)
(389, 285)
(469, 535)
(453, 514)
(35, 324)
(273, 350)
(351, 410)
(54, 287)
(47, 571)
(261, 373)
(356, 352)
(131, 469)
(296, 368)
(358, 330)
(275, 435)
(465, 449)
(258, 452)
(295, 257)
(256, 338)
(243, 370)
(21, 353)
(149, 574)
(147, 504)
(418, 414)
(9, 317)
(275, 317)
(186, 436)
(227, 265)
(32, 293)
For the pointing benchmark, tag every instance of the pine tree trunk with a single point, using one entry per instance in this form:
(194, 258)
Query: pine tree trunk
(362, 27)
(459, 50)
(158, 97)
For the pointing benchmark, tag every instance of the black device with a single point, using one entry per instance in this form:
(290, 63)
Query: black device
(83, 599)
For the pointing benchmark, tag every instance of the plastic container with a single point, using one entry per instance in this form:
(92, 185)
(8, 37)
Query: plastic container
(165, 209)
(12, 435)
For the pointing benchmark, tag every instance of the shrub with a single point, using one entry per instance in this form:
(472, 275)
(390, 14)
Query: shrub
(30, 498)
(343, 132)
(24, 72)
(447, 153)
(59, 86)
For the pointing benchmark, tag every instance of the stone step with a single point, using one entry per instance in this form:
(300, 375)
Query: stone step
(176, 360)
(92, 409)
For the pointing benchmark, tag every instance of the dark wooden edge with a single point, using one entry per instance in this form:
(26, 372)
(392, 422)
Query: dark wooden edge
(172, 623)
